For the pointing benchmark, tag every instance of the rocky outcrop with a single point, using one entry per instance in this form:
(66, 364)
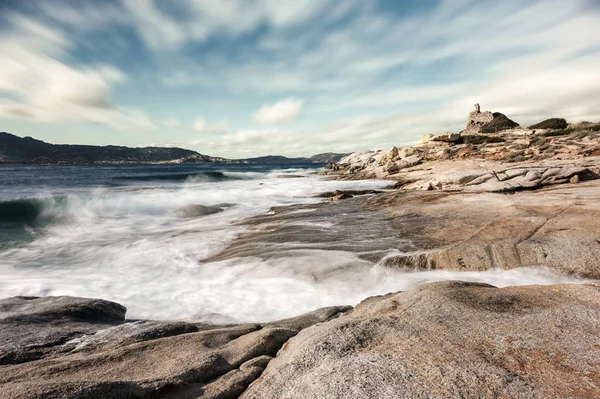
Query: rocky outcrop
(379, 163)
(448, 340)
(499, 123)
(514, 146)
(501, 178)
(442, 340)
(32, 328)
(556, 227)
(446, 137)
(552, 123)
(488, 122)
(63, 347)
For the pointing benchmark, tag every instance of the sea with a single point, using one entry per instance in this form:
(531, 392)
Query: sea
(113, 232)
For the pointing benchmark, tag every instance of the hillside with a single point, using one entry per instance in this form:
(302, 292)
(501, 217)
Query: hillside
(278, 159)
(27, 150)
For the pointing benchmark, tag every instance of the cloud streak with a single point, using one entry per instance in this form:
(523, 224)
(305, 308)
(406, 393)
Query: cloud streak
(282, 112)
(370, 73)
(36, 85)
(202, 126)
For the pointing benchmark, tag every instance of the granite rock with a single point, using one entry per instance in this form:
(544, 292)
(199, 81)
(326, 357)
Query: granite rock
(447, 340)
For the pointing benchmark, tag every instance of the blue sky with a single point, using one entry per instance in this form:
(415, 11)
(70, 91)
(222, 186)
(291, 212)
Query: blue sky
(239, 78)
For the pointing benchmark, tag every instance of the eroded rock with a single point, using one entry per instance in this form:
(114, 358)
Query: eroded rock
(446, 137)
(85, 348)
(499, 123)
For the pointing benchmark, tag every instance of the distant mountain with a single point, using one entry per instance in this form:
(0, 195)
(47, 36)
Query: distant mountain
(275, 159)
(278, 159)
(27, 150)
(14, 149)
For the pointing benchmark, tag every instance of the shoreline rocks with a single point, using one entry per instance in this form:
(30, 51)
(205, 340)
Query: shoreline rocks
(197, 210)
(443, 340)
(450, 339)
(557, 227)
(65, 347)
(499, 123)
(552, 123)
(447, 340)
(493, 147)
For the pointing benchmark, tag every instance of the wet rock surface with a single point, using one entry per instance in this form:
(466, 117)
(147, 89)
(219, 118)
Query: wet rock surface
(197, 210)
(349, 225)
(556, 227)
(32, 328)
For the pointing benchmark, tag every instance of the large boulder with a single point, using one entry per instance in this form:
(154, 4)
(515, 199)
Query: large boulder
(389, 156)
(195, 210)
(552, 123)
(499, 123)
(425, 139)
(446, 137)
(448, 340)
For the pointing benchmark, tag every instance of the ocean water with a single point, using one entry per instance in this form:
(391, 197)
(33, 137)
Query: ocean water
(110, 232)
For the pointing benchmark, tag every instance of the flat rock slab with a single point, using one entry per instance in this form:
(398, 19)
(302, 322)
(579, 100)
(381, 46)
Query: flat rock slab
(448, 340)
(558, 227)
(347, 225)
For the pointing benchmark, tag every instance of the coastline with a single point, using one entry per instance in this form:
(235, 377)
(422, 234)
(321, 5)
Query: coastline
(439, 339)
(88, 346)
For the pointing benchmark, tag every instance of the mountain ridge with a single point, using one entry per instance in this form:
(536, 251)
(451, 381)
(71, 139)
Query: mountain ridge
(28, 150)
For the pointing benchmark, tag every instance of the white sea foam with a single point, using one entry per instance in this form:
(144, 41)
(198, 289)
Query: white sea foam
(121, 244)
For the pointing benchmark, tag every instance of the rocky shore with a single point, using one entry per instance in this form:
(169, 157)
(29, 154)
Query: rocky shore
(492, 197)
(441, 340)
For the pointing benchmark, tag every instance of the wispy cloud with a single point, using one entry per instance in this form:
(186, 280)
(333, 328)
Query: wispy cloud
(40, 87)
(281, 112)
(171, 123)
(202, 126)
(200, 20)
(370, 73)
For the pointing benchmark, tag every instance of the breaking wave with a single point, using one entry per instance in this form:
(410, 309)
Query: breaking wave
(73, 234)
(212, 176)
(30, 211)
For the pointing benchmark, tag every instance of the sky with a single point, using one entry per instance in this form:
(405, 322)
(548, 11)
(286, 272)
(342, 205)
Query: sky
(241, 78)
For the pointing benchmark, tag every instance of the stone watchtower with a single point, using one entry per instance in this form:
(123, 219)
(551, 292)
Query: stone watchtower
(477, 119)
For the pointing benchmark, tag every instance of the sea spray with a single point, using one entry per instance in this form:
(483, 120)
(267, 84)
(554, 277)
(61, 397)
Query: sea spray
(122, 243)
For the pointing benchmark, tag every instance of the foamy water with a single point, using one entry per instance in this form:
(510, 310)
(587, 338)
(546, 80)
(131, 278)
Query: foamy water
(121, 243)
